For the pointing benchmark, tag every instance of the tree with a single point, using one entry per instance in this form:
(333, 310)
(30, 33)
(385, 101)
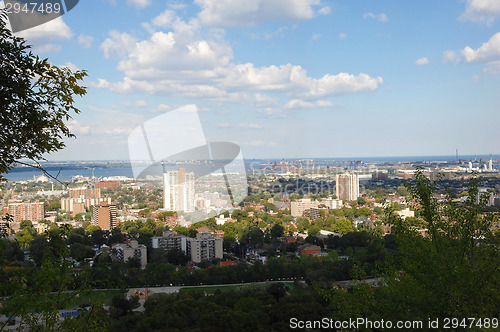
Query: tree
(343, 226)
(35, 100)
(452, 270)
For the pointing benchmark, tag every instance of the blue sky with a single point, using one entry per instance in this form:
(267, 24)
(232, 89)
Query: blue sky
(286, 78)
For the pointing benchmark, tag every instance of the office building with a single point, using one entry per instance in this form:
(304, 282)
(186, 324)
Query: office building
(178, 192)
(347, 187)
(104, 215)
(27, 211)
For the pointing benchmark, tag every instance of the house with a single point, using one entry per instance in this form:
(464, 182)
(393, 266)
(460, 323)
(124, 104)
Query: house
(308, 249)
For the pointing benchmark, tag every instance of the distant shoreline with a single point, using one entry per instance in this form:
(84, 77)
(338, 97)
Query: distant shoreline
(105, 168)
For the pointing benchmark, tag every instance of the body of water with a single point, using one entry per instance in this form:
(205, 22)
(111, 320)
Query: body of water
(66, 173)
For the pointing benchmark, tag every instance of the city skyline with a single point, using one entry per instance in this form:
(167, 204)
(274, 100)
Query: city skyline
(315, 79)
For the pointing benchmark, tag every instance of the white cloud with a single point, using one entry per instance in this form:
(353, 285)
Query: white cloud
(450, 57)
(316, 36)
(77, 128)
(118, 43)
(225, 125)
(258, 143)
(422, 61)
(383, 18)
(240, 13)
(137, 103)
(380, 17)
(162, 108)
(324, 103)
(250, 126)
(183, 61)
(325, 10)
(484, 11)
(488, 53)
(271, 112)
(342, 35)
(139, 4)
(118, 131)
(85, 41)
(260, 99)
(298, 103)
(165, 19)
(43, 37)
(71, 66)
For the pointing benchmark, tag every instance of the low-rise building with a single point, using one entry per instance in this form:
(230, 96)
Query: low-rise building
(308, 249)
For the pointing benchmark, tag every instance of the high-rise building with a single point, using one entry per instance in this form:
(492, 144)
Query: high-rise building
(78, 196)
(27, 211)
(178, 190)
(84, 193)
(347, 187)
(298, 207)
(169, 241)
(104, 215)
(204, 247)
(125, 251)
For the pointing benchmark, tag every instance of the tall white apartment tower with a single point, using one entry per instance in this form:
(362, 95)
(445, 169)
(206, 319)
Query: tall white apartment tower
(347, 187)
(178, 190)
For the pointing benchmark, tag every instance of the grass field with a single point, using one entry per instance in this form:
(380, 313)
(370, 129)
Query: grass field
(211, 289)
(97, 296)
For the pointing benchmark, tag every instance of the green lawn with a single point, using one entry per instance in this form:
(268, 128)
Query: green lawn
(224, 289)
(97, 296)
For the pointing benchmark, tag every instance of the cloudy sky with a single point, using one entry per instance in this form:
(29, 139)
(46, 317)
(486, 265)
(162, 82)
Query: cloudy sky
(286, 78)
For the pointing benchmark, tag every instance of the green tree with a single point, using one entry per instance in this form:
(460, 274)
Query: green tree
(36, 98)
(455, 271)
(343, 226)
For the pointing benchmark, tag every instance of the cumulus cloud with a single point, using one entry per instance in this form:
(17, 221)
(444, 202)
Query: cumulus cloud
(44, 37)
(119, 44)
(484, 11)
(342, 35)
(380, 17)
(298, 103)
(182, 60)
(250, 126)
(244, 13)
(85, 41)
(136, 103)
(325, 10)
(422, 61)
(77, 128)
(139, 4)
(488, 53)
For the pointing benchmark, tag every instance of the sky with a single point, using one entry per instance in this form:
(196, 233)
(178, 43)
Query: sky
(284, 78)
